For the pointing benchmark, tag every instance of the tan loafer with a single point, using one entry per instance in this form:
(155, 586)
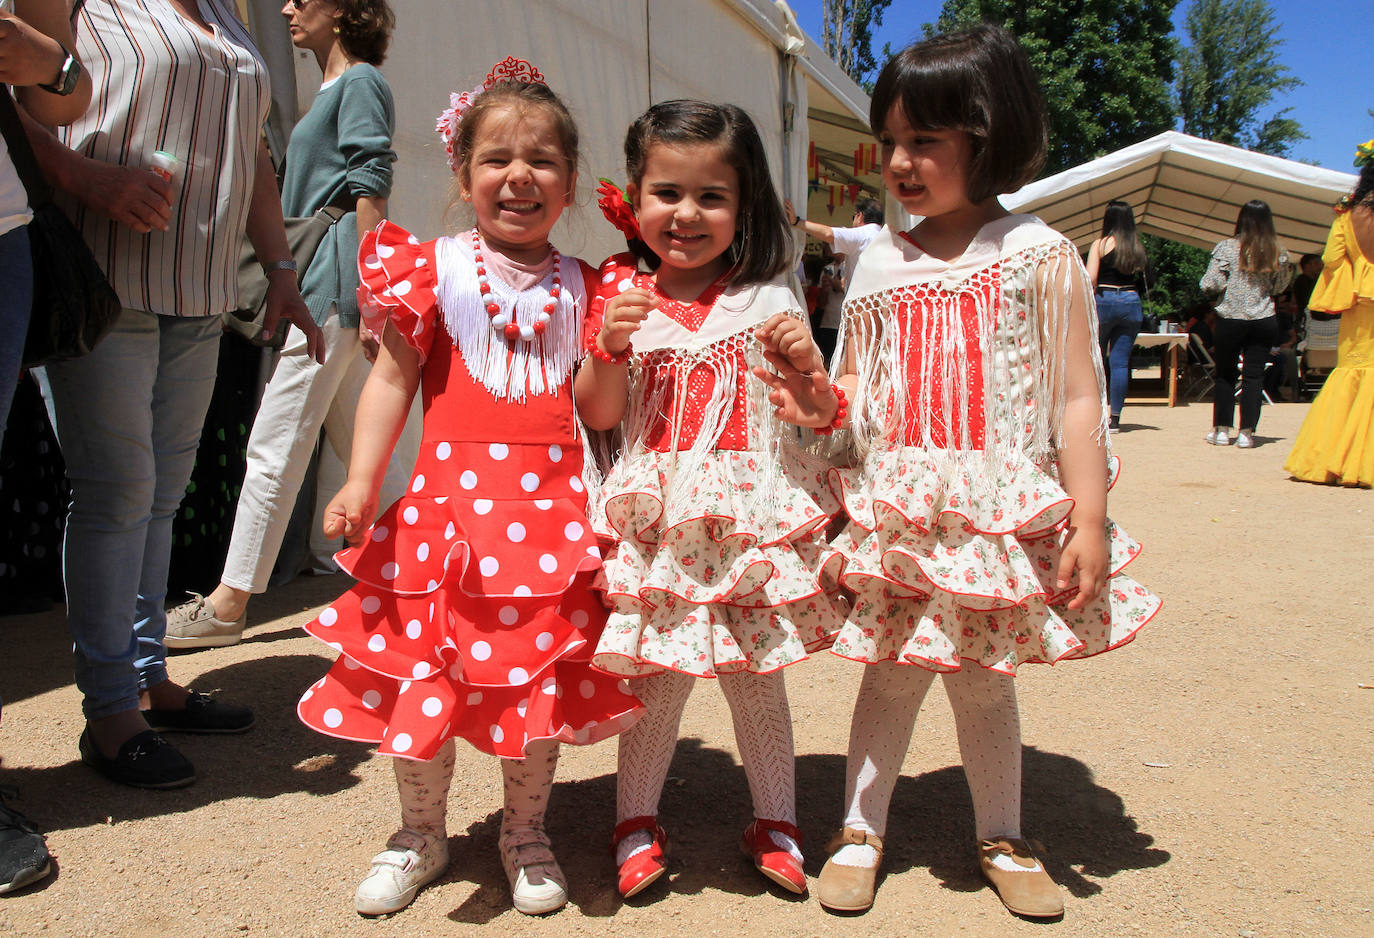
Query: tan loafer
(849, 888)
(1019, 878)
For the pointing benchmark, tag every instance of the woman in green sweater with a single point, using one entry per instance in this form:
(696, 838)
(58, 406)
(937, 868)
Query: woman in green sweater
(340, 154)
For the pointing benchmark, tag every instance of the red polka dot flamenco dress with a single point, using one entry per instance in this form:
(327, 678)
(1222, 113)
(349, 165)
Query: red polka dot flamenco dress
(474, 614)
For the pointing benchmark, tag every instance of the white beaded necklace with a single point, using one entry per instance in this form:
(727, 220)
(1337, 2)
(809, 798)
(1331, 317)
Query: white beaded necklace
(504, 324)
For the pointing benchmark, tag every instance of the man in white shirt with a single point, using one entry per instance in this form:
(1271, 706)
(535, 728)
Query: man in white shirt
(847, 244)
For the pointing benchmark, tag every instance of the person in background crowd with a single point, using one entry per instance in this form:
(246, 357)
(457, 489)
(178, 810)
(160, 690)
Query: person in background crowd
(1248, 270)
(184, 77)
(36, 61)
(1119, 271)
(340, 154)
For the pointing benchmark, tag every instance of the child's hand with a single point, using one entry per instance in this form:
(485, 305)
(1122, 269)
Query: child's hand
(788, 346)
(350, 513)
(804, 398)
(624, 315)
(1086, 550)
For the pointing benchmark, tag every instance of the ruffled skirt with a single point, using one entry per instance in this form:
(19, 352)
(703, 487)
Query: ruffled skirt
(719, 573)
(946, 566)
(1336, 442)
(474, 615)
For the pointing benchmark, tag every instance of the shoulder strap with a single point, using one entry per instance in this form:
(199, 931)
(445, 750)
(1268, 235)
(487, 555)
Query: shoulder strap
(21, 153)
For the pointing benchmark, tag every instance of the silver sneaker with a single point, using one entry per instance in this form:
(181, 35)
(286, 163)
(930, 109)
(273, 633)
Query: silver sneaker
(1219, 437)
(1245, 440)
(193, 624)
(409, 862)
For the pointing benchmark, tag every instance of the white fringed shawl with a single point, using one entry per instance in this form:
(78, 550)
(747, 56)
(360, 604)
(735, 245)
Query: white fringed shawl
(1023, 335)
(510, 371)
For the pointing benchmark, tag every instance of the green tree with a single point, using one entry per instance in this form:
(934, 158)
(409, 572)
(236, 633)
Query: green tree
(1106, 66)
(1177, 269)
(1228, 73)
(847, 35)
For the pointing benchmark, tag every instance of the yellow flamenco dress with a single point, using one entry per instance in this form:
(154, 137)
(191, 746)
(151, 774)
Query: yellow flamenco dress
(1336, 442)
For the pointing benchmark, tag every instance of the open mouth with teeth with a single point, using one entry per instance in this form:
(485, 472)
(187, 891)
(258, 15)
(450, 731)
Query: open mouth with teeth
(518, 206)
(682, 237)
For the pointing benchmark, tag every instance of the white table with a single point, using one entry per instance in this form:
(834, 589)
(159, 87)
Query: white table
(1171, 362)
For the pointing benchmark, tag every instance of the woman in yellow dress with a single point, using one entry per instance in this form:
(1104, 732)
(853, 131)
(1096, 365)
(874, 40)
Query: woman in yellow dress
(1336, 442)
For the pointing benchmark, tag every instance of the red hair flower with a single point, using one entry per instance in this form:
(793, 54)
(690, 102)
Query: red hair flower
(617, 211)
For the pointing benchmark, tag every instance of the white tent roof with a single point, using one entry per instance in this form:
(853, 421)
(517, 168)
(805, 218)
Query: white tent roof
(1188, 190)
(609, 61)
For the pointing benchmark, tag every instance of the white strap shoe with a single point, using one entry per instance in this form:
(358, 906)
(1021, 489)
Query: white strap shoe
(410, 862)
(537, 884)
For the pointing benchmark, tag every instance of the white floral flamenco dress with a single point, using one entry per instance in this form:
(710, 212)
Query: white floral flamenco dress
(474, 614)
(956, 515)
(716, 514)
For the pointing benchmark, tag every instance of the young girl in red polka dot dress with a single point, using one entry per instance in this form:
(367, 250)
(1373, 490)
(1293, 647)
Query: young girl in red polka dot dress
(716, 513)
(473, 615)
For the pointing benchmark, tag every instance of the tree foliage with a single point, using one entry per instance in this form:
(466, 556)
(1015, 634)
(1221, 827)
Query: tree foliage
(1177, 269)
(1229, 71)
(1106, 66)
(847, 35)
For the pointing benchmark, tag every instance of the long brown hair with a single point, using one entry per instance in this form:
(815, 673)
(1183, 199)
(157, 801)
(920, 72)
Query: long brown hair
(1118, 223)
(1259, 242)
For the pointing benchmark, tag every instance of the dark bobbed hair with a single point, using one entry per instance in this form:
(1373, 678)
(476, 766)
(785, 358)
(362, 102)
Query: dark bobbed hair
(977, 80)
(871, 210)
(1118, 223)
(365, 29)
(1259, 242)
(762, 246)
(1308, 258)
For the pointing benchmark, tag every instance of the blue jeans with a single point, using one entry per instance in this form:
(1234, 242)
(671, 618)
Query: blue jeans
(1118, 323)
(128, 417)
(16, 299)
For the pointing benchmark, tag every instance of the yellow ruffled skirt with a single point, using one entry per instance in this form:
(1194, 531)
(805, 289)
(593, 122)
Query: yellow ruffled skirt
(1336, 442)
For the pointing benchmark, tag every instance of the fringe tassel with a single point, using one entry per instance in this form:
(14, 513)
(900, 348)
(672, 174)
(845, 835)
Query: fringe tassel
(510, 370)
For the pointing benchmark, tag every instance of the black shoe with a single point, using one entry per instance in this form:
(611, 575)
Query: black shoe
(203, 714)
(146, 760)
(24, 857)
(1114, 425)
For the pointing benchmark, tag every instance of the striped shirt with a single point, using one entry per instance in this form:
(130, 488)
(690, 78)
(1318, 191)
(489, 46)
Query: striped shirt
(161, 83)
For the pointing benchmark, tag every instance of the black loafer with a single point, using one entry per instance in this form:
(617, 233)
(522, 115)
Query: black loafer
(203, 714)
(146, 760)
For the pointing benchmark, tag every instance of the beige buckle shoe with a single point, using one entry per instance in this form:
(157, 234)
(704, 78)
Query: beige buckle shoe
(1012, 869)
(849, 888)
(193, 624)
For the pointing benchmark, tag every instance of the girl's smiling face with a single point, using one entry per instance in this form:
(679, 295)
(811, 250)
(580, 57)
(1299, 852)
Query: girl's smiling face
(925, 170)
(687, 201)
(518, 179)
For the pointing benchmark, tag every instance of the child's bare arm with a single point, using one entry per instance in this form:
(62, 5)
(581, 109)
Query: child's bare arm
(601, 388)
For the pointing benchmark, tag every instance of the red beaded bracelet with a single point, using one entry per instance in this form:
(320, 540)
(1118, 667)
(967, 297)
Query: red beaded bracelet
(840, 412)
(601, 355)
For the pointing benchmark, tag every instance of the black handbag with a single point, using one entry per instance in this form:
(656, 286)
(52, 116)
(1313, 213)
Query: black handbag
(74, 305)
(303, 238)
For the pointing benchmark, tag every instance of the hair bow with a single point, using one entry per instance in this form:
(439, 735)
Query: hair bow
(508, 69)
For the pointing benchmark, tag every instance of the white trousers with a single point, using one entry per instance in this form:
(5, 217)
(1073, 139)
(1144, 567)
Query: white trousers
(300, 398)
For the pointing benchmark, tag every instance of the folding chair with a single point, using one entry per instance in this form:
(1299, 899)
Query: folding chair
(1202, 370)
(1318, 352)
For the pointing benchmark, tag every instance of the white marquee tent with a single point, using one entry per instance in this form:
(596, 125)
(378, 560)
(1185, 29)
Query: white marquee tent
(609, 60)
(1188, 190)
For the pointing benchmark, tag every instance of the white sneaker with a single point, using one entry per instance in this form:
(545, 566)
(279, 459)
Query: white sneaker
(410, 861)
(193, 624)
(537, 884)
(1219, 437)
(1245, 440)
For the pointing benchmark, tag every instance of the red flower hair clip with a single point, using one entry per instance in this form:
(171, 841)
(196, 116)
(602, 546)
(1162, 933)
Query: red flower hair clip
(508, 69)
(617, 211)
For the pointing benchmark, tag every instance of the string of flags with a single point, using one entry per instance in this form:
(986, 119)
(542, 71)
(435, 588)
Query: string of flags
(818, 180)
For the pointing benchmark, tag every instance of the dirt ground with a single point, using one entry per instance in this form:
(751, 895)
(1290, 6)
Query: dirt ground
(1211, 779)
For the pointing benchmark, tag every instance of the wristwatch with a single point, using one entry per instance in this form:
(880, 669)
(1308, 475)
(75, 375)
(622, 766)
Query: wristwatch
(67, 76)
(274, 266)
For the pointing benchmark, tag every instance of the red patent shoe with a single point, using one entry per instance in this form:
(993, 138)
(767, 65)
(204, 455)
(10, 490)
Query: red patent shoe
(770, 859)
(644, 868)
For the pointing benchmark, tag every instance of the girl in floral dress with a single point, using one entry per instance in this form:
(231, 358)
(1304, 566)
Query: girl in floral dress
(473, 615)
(717, 516)
(976, 494)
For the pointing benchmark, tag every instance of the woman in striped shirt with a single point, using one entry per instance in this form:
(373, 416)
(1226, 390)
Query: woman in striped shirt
(184, 78)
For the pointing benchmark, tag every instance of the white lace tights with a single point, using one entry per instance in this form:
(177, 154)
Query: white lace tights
(763, 733)
(989, 728)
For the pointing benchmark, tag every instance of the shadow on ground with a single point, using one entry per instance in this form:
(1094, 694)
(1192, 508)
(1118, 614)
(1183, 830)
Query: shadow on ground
(1087, 832)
